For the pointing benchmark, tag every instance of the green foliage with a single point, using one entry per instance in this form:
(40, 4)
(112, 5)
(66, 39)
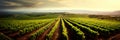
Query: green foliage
(27, 16)
(50, 34)
(33, 27)
(40, 31)
(23, 26)
(80, 35)
(86, 29)
(64, 31)
(104, 27)
(78, 24)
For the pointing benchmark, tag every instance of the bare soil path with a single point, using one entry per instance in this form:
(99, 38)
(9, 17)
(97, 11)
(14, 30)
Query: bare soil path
(26, 36)
(56, 33)
(115, 37)
(13, 34)
(43, 35)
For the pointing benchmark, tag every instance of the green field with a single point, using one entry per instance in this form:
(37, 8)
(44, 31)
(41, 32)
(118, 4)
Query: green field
(57, 26)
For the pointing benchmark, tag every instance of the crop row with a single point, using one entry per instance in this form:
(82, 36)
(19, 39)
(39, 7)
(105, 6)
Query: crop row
(40, 31)
(79, 34)
(85, 29)
(50, 34)
(103, 30)
(16, 25)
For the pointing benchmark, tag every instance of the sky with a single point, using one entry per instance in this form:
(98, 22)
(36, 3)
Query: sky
(42, 5)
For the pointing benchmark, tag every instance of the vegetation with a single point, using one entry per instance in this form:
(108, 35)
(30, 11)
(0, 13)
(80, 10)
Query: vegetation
(69, 26)
(86, 29)
(79, 33)
(40, 31)
(49, 35)
(64, 31)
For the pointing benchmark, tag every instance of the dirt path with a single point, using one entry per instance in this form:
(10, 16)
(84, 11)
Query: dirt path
(27, 35)
(70, 34)
(5, 31)
(13, 34)
(2, 30)
(56, 33)
(8, 33)
(43, 35)
(116, 37)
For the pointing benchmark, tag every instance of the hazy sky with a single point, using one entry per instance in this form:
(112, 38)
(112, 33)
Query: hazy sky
(94, 5)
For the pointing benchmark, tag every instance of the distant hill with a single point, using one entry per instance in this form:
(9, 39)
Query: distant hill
(114, 13)
(117, 13)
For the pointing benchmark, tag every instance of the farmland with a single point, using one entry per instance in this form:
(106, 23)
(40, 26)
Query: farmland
(57, 26)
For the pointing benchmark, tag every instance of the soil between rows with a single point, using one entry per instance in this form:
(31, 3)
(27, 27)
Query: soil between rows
(43, 35)
(27, 35)
(56, 35)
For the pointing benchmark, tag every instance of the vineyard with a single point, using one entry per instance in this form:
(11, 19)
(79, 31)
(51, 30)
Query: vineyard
(62, 27)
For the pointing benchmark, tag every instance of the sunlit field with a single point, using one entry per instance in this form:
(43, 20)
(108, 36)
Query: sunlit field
(59, 26)
(59, 19)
